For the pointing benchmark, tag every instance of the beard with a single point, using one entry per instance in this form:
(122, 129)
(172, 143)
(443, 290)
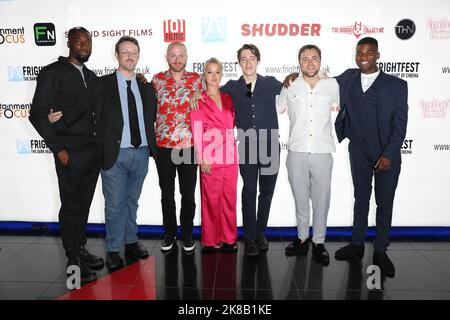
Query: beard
(82, 59)
(177, 68)
(310, 74)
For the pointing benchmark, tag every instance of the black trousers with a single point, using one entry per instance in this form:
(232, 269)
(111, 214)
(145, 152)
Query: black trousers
(385, 186)
(77, 181)
(168, 165)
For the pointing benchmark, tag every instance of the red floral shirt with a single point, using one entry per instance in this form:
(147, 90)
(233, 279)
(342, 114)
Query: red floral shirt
(173, 123)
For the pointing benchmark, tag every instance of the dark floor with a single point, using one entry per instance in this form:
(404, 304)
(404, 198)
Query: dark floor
(33, 267)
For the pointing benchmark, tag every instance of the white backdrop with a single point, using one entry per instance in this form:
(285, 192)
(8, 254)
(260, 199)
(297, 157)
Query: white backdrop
(28, 185)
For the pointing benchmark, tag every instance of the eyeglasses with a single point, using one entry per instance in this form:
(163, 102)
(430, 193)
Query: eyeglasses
(129, 53)
(249, 90)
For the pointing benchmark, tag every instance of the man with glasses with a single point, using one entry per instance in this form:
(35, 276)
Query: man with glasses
(174, 88)
(129, 109)
(259, 150)
(309, 101)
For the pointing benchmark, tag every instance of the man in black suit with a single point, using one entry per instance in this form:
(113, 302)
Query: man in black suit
(373, 116)
(70, 88)
(129, 111)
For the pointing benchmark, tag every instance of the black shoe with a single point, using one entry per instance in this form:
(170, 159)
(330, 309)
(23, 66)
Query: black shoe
(349, 252)
(168, 242)
(297, 248)
(261, 242)
(210, 249)
(113, 261)
(320, 253)
(91, 260)
(229, 248)
(188, 244)
(250, 247)
(86, 274)
(382, 260)
(136, 249)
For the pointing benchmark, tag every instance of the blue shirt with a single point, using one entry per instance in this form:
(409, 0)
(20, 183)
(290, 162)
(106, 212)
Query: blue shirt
(126, 135)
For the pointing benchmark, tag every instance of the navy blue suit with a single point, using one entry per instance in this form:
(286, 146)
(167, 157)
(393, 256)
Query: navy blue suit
(375, 123)
(257, 121)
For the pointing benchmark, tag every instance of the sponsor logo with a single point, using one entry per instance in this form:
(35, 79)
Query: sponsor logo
(400, 69)
(358, 29)
(27, 146)
(439, 29)
(446, 70)
(214, 29)
(114, 33)
(407, 147)
(230, 69)
(280, 29)
(108, 70)
(12, 35)
(405, 29)
(14, 110)
(435, 108)
(44, 34)
(286, 69)
(174, 30)
(442, 147)
(23, 73)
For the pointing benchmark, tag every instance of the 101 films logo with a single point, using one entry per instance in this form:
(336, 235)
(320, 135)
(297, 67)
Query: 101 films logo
(44, 34)
(175, 30)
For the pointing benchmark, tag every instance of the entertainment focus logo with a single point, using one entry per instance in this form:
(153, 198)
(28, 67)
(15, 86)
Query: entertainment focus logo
(214, 29)
(439, 29)
(14, 110)
(280, 29)
(12, 36)
(44, 34)
(27, 146)
(23, 73)
(358, 29)
(174, 30)
(400, 69)
(405, 29)
(435, 108)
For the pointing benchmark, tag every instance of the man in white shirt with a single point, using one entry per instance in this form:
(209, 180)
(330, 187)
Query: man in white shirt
(309, 101)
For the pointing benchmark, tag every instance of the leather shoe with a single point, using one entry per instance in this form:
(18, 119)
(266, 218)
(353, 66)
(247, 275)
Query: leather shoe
(229, 248)
(251, 249)
(297, 248)
(261, 242)
(382, 260)
(91, 260)
(136, 249)
(320, 253)
(113, 261)
(86, 274)
(349, 252)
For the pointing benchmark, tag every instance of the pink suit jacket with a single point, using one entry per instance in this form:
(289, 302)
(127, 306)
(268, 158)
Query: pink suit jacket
(213, 131)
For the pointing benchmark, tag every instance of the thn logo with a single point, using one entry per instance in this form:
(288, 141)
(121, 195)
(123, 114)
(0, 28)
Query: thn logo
(44, 34)
(405, 29)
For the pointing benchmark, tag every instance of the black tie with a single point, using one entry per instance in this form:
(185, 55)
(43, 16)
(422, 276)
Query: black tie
(133, 117)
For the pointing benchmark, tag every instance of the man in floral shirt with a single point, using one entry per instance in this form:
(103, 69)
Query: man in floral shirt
(175, 146)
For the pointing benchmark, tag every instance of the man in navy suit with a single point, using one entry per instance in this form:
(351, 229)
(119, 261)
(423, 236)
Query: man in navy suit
(373, 116)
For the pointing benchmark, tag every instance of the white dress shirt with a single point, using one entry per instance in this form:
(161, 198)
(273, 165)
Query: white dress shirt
(309, 112)
(368, 79)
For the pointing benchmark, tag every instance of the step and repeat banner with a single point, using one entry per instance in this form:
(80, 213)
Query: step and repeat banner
(414, 42)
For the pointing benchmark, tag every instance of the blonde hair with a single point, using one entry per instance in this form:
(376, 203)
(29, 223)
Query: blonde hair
(212, 60)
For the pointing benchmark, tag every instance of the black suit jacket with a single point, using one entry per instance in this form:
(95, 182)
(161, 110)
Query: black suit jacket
(392, 111)
(112, 119)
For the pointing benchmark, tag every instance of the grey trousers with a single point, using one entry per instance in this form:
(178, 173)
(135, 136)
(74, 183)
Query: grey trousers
(310, 179)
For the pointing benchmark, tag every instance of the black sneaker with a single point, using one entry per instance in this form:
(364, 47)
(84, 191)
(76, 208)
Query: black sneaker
(229, 248)
(168, 242)
(261, 242)
(297, 248)
(250, 247)
(350, 251)
(320, 253)
(188, 244)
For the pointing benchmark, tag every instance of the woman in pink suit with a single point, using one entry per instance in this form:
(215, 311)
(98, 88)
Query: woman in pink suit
(215, 144)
